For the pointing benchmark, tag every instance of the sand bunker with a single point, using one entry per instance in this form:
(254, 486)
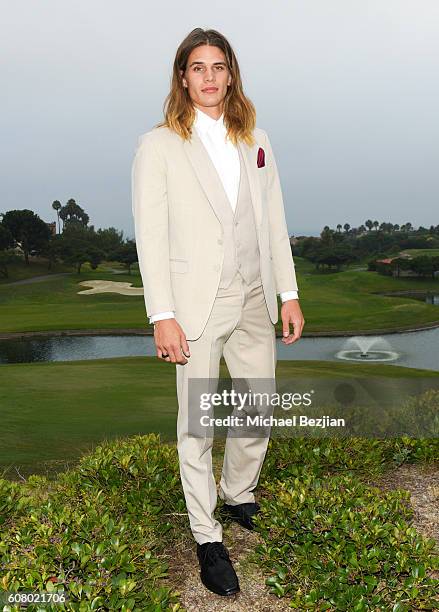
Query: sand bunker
(104, 286)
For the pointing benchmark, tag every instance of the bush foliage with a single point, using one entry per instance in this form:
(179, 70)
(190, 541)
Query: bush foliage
(333, 542)
(330, 541)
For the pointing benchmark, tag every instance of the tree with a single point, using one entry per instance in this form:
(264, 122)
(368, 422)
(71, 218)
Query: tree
(53, 250)
(109, 240)
(73, 214)
(424, 265)
(6, 257)
(327, 236)
(400, 263)
(6, 238)
(28, 231)
(336, 256)
(126, 254)
(77, 250)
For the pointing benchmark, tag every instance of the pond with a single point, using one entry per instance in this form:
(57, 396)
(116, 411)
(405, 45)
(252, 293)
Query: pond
(418, 349)
(424, 296)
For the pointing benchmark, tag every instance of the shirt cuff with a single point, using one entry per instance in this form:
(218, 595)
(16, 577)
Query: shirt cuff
(288, 295)
(169, 314)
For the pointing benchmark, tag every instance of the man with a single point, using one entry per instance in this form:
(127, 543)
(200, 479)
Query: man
(213, 251)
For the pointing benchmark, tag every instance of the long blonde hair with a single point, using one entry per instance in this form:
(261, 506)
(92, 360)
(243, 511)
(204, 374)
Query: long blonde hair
(179, 112)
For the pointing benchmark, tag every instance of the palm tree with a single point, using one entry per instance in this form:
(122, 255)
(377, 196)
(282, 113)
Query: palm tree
(56, 205)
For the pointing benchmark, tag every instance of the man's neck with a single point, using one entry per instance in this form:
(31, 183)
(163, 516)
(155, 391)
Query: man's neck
(214, 112)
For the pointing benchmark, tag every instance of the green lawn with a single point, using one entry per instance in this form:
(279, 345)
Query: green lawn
(56, 304)
(334, 302)
(37, 267)
(417, 252)
(54, 412)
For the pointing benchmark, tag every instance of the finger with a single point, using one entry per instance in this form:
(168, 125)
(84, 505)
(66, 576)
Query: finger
(295, 335)
(172, 354)
(185, 346)
(179, 357)
(182, 359)
(164, 353)
(285, 327)
(183, 355)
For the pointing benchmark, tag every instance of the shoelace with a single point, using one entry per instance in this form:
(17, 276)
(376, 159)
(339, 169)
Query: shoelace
(216, 551)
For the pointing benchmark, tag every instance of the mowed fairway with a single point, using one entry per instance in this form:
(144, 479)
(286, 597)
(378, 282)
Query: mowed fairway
(54, 412)
(331, 302)
(56, 304)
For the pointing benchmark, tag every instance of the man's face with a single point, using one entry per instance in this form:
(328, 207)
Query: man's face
(206, 78)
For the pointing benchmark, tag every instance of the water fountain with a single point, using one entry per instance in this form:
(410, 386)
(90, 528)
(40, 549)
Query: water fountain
(367, 348)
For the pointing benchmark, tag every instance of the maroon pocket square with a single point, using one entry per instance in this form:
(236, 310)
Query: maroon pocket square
(261, 157)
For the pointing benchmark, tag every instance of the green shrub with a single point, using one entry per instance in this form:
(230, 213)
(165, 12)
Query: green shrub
(13, 502)
(361, 456)
(338, 544)
(100, 532)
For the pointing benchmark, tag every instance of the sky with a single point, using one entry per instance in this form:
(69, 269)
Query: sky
(347, 91)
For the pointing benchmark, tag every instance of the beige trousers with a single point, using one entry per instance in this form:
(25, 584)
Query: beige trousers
(240, 329)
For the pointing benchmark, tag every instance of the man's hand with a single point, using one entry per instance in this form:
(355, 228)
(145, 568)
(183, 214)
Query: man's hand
(291, 313)
(170, 340)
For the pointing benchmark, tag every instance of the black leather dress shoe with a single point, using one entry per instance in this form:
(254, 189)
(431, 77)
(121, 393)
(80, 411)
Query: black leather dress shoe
(217, 573)
(242, 513)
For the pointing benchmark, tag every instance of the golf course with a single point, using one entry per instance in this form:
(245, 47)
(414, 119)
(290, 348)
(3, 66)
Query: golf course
(54, 412)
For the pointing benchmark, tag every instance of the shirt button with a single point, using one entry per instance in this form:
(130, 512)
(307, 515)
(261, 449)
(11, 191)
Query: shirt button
(216, 268)
(239, 265)
(236, 222)
(220, 241)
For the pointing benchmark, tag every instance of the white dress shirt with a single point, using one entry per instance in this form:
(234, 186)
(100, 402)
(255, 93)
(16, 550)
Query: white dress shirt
(225, 158)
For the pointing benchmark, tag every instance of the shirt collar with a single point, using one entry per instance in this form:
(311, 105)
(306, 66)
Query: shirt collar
(204, 123)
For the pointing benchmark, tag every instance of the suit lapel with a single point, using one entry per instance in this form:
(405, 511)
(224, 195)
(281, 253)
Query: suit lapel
(249, 157)
(210, 180)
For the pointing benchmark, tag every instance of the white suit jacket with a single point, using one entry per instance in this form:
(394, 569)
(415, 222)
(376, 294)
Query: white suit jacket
(179, 234)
